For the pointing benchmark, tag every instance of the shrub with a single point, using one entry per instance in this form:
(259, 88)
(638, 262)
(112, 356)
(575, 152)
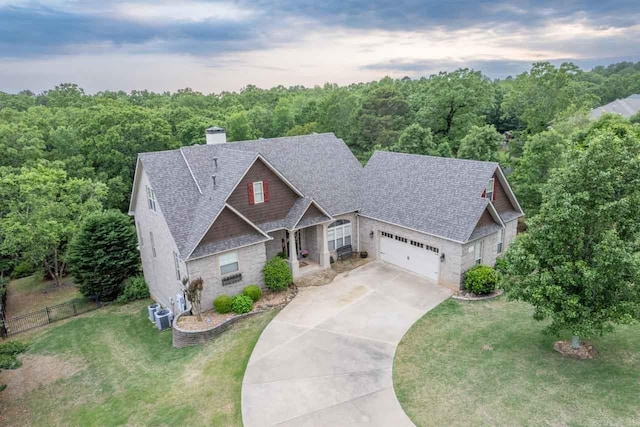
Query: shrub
(252, 291)
(13, 347)
(23, 269)
(277, 275)
(103, 254)
(222, 304)
(241, 304)
(134, 288)
(481, 280)
(282, 255)
(9, 361)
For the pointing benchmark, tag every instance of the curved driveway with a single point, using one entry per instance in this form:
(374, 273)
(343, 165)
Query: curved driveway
(326, 358)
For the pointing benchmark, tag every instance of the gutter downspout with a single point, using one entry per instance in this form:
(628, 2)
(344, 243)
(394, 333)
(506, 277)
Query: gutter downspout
(358, 232)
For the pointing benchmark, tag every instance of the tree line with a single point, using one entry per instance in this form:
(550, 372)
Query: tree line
(65, 154)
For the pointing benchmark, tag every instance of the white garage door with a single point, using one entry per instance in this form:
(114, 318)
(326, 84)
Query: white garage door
(411, 255)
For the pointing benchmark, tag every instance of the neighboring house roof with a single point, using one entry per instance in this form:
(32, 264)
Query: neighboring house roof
(183, 181)
(434, 195)
(626, 107)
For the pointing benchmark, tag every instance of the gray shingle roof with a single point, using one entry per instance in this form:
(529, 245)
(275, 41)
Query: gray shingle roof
(435, 195)
(626, 107)
(312, 163)
(218, 246)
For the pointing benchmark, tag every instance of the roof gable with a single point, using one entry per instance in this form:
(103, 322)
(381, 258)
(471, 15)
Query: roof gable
(436, 195)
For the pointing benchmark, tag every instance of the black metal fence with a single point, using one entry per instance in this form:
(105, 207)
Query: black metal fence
(47, 315)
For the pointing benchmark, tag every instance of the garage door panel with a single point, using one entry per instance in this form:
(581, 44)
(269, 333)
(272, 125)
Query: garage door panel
(418, 260)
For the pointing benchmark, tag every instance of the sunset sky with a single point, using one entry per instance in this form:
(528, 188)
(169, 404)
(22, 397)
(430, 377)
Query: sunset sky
(225, 45)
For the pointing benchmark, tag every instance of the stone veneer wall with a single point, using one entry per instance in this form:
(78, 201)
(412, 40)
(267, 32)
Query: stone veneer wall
(182, 338)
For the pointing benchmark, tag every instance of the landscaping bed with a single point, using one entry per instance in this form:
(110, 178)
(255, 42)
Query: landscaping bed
(188, 330)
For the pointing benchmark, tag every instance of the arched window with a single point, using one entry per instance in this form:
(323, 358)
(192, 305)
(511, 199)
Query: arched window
(339, 234)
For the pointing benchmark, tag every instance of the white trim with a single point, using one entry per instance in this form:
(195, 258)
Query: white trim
(313, 202)
(413, 229)
(237, 261)
(348, 223)
(190, 171)
(508, 190)
(495, 214)
(261, 192)
(492, 180)
(226, 205)
(274, 170)
(134, 191)
(188, 260)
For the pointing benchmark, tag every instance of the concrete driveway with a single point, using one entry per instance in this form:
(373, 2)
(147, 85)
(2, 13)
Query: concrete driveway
(326, 358)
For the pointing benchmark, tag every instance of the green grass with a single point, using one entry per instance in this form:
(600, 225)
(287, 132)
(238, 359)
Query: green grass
(132, 376)
(32, 293)
(488, 363)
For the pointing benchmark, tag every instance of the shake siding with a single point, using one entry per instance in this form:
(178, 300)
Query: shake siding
(312, 212)
(501, 202)
(485, 219)
(281, 197)
(226, 226)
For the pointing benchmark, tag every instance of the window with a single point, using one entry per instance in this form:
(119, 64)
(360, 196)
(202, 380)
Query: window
(228, 262)
(151, 198)
(139, 230)
(339, 234)
(478, 252)
(488, 192)
(258, 192)
(385, 234)
(176, 264)
(500, 240)
(153, 244)
(401, 239)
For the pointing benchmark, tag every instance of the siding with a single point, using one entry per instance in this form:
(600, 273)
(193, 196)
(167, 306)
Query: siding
(501, 202)
(490, 247)
(312, 213)
(159, 271)
(281, 197)
(226, 226)
(485, 219)
(274, 247)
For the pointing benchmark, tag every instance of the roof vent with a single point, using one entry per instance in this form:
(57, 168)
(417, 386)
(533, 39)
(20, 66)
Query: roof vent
(215, 164)
(213, 177)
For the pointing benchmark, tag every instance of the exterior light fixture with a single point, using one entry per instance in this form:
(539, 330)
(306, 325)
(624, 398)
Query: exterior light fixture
(442, 257)
(371, 234)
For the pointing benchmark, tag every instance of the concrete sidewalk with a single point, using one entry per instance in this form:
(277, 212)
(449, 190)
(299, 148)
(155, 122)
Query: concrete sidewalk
(326, 358)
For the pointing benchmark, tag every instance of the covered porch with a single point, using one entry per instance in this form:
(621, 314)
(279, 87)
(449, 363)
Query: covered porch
(305, 249)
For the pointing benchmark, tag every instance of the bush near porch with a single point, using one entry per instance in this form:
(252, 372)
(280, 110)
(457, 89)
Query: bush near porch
(277, 274)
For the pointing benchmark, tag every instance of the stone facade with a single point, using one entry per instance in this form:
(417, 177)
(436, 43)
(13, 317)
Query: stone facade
(159, 270)
(251, 260)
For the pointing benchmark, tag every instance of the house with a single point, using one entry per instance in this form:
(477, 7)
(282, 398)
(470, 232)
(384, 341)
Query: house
(219, 211)
(626, 107)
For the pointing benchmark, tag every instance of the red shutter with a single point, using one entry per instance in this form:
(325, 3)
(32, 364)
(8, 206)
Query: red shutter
(484, 193)
(265, 190)
(250, 192)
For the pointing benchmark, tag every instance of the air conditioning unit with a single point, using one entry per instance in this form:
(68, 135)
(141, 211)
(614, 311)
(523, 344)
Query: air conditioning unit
(163, 319)
(152, 311)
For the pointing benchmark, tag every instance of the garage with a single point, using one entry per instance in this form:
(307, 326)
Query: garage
(411, 255)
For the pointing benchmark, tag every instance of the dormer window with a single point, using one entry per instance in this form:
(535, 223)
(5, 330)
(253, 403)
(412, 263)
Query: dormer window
(258, 192)
(490, 189)
(151, 198)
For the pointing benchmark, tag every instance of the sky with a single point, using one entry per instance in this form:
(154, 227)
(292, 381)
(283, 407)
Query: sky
(214, 46)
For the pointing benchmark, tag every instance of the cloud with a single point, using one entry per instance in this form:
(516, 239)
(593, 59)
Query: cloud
(40, 30)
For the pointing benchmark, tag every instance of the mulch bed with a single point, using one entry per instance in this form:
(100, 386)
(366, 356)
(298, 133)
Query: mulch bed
(584, 352)
(469, 296)
(211, 319)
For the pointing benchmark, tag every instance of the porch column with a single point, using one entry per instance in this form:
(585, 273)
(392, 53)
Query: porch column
(293, 255)
(324, 246)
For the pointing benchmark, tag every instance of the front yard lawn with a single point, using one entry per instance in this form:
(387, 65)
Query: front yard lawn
(488, 363)
(112, 367)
